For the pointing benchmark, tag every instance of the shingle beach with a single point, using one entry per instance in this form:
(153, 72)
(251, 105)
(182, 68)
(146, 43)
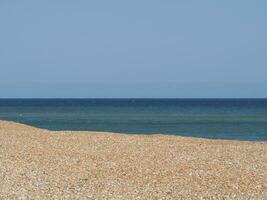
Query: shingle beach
(41, 164)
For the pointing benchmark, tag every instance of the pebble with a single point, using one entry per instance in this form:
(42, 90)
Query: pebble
(42, 164)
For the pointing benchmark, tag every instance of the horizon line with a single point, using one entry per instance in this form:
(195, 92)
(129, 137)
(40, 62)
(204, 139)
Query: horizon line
(130, 98)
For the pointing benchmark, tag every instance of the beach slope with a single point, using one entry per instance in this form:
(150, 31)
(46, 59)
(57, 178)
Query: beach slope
(42, 164)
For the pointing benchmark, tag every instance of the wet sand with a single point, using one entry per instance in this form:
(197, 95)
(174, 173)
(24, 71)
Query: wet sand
(42, 164)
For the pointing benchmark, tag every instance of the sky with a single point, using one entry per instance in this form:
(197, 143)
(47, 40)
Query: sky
(125, 49)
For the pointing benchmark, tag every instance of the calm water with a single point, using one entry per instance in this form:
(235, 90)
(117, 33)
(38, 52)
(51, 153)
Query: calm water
(240, 119)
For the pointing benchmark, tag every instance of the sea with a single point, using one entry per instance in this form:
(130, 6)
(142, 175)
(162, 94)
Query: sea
(231, 119)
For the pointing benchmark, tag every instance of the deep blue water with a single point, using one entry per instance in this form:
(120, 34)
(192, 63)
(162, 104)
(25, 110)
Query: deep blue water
(239, 119)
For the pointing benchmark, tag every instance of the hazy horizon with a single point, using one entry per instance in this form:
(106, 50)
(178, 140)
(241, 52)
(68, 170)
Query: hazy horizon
(118, 49)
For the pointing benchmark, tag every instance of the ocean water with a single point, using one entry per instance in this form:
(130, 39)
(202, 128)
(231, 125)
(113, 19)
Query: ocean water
(236, 119)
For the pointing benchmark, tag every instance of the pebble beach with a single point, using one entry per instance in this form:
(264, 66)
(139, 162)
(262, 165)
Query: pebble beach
(41, 164)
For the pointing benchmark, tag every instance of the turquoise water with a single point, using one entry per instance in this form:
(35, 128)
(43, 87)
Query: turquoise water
(238, 119)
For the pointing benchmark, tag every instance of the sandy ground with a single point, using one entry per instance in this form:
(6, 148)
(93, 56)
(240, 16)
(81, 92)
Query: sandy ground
(42, 164)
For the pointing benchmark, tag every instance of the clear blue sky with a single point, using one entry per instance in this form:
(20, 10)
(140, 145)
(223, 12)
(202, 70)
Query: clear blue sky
(134, 48)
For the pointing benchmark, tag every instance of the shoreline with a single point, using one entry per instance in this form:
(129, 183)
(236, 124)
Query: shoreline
(42, 164)
(130, 134)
